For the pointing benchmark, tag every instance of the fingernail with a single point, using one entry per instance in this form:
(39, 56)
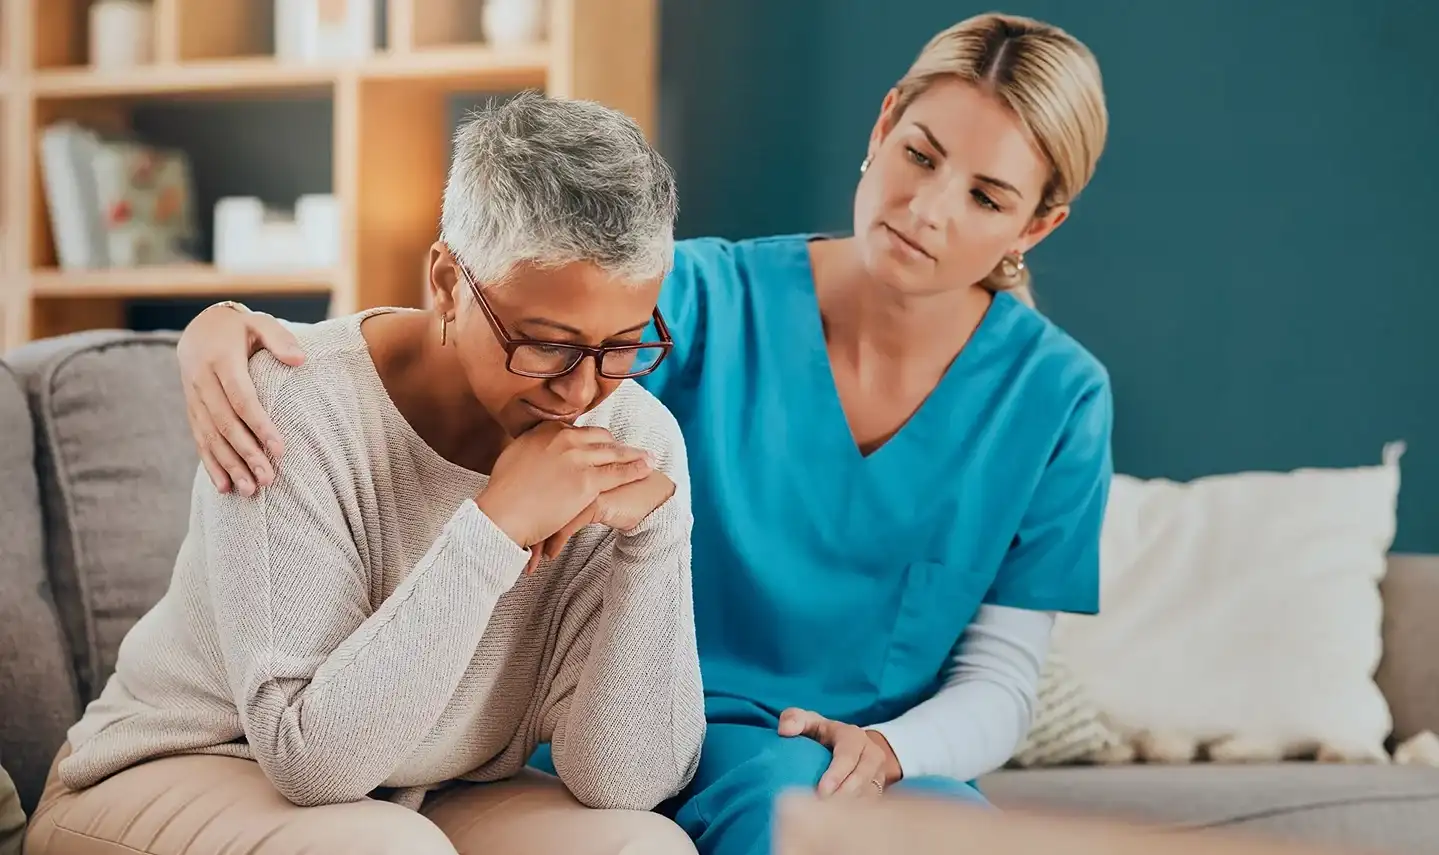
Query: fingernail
(245, 487)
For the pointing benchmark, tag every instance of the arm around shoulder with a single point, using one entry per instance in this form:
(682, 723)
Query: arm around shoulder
(312, 667)
(625, 717)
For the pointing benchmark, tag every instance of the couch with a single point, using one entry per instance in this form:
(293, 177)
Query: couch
(96, 470)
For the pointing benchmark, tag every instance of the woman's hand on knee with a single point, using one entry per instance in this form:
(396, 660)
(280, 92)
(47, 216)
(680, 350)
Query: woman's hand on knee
(863, 762)
(236, 439)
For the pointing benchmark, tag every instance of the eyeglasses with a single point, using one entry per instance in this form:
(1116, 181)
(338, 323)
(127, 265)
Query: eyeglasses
(549, 359)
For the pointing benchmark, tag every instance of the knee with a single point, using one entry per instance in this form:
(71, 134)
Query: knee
(644, 833)
(789, 763)
(945, 787)
(382, 828)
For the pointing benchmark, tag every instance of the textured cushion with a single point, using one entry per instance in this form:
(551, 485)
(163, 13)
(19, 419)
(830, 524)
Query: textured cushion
(1409, 671)
(1381, 808)
(1242, 612)
(37, 692)
(1068, 727)
(116, 465)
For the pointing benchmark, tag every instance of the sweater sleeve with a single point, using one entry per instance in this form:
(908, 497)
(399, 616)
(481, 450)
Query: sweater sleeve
(625, 714)
(980, 716)
(332, 695)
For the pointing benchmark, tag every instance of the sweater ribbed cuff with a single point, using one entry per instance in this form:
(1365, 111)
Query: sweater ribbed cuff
(495, 557)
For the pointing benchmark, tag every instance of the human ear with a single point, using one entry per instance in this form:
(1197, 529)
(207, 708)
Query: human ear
(884, 122)
(1041, 227)
(444, 277)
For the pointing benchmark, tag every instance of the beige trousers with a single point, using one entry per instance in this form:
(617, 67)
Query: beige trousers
(203, 805)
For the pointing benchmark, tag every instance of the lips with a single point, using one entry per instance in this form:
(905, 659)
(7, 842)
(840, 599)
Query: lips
(549, 416)
(900, 236)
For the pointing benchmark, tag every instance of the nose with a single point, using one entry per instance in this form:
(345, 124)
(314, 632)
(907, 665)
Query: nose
(930, 204)
(580, 386)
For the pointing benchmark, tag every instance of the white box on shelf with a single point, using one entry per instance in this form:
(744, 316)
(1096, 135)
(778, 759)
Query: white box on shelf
(121, 34)
(251, 237)
(324, 30)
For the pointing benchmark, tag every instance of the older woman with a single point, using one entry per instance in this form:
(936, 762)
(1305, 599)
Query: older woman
(344, 659)
(900, 467)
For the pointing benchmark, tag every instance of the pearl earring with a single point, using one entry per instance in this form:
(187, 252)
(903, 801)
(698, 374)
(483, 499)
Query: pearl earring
(864, 166)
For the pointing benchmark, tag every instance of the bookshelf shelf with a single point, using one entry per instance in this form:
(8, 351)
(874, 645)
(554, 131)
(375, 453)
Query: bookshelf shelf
(470, 66)
(178, 280)
(391, 115)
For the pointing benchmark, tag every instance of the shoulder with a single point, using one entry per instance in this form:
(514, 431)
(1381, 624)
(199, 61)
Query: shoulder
(636, 417)
(328, 390)
(709, 261)
(1055, 371)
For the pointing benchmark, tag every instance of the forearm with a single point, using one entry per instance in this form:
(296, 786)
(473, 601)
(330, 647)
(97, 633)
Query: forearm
(631, 733)
(330, 726)
(976, 722)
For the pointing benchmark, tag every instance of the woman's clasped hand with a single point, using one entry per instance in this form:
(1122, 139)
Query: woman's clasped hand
(555, 479)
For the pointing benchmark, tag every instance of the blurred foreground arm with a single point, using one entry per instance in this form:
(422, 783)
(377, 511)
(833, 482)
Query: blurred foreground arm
(806, 825)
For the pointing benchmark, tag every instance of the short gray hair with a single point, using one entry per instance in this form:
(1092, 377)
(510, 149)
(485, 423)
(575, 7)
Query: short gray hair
(552, 181)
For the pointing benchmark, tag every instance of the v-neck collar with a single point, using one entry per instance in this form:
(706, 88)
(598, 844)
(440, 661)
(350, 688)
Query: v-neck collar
(926, 424)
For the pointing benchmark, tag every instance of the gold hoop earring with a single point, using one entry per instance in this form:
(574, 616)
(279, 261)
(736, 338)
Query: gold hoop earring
(863, 166)
(444, 329)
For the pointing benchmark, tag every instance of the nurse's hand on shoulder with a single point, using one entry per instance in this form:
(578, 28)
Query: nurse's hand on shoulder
(862, 758)
(236, 439)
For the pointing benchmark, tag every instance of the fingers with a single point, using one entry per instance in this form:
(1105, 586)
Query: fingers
(848, 749)
(797, 722)
(199, 427)
(556, 542)
(225, 435)
(244, 402)
(272, 336)
(534, 562)
(614, 475)
(867, 770)
(604, 454)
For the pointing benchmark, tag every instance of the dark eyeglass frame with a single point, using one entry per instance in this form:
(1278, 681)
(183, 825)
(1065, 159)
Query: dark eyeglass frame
(512, 344)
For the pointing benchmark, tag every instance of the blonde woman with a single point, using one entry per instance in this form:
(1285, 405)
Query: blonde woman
(900, 467)
(362, 657)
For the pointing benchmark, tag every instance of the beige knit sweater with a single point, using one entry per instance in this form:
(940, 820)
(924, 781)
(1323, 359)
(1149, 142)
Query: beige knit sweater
(359, 627)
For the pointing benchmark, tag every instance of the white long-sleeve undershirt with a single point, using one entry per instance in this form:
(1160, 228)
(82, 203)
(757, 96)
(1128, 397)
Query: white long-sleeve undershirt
(976, 722)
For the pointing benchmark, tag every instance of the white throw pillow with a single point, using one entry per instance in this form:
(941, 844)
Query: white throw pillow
(1240, 614)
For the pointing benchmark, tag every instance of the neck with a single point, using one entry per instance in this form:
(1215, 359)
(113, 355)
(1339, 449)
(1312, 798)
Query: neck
(868, 320)
(427, 383)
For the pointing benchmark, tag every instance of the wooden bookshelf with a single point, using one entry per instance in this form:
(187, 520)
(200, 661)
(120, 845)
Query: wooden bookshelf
(389, 140)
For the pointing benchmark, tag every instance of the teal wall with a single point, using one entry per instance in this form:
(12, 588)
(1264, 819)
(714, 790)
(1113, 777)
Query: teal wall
(1251, 261)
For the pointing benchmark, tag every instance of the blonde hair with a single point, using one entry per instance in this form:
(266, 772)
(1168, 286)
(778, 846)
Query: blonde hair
(1052, 83)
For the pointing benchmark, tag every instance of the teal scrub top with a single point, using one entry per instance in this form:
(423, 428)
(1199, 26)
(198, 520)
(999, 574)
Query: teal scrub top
(841, 583)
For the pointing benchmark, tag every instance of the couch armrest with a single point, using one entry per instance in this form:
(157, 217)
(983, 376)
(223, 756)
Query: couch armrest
(1409, 672)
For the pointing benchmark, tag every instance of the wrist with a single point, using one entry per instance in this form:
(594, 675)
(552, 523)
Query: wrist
(494, 507)
(892, 771)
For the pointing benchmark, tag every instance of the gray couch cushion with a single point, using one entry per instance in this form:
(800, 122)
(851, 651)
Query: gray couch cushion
(116, 465)
(1375, 808)
(37, 692)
